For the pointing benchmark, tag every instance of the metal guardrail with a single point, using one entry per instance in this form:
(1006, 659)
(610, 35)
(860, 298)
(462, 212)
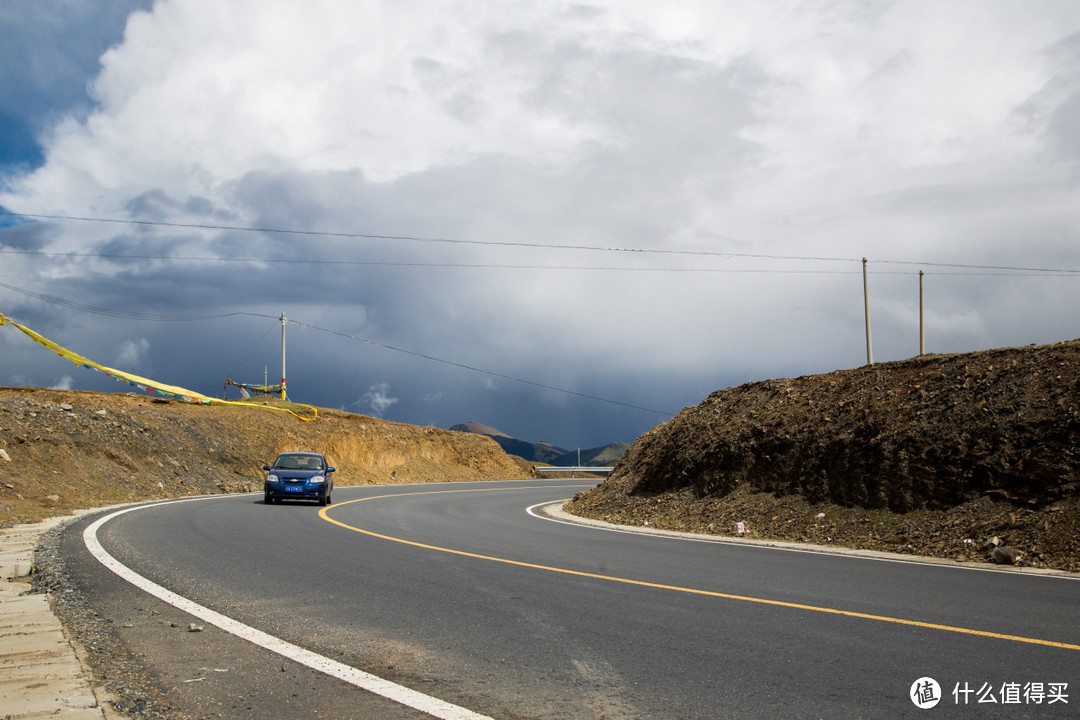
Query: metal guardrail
(537, 469)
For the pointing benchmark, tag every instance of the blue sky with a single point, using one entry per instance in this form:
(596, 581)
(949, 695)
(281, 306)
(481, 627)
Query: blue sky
(564, 220)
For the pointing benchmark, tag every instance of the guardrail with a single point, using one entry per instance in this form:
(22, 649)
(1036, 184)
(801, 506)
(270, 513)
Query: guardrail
(537, 469)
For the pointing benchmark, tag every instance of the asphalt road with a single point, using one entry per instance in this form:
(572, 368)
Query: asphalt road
(457, 592)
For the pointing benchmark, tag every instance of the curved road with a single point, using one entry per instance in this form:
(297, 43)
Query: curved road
(459, 593)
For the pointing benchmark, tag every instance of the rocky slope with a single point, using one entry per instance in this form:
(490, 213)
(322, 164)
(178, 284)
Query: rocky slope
(61, 450)
(973, 456)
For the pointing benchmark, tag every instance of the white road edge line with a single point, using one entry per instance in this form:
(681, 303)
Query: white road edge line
(365, 681)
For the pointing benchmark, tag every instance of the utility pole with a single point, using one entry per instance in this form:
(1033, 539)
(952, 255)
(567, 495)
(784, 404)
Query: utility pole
(922, 318)
(282, 356)
(866, 308)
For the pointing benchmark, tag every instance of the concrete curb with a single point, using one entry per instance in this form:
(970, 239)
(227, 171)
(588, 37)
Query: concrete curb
(40, 673)
(555, 510)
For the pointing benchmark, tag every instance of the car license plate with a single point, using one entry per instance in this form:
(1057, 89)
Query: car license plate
(294, 488)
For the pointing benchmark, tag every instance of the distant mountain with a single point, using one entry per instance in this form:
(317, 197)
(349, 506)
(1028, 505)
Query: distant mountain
(543, 452)
(595, 457)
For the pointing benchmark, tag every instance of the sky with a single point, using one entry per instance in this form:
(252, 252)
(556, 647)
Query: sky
(567, 221)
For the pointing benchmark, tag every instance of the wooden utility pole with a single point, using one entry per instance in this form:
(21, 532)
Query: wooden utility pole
(922, 318)
(866, 308)
(282, 356)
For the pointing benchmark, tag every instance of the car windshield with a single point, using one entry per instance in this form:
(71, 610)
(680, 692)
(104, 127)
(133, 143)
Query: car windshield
(298, 462)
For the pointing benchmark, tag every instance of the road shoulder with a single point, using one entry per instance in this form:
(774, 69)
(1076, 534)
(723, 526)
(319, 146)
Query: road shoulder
(41, 671)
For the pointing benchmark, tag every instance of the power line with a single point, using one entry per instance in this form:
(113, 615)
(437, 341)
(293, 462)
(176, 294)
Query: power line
(1003, 268)
(987, 270)
(468, 367)
(190, 318)
(500, 243)
(108, 312)
(391, 263)
(415, 238)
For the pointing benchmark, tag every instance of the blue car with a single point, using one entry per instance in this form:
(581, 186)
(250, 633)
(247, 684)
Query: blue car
(299, 476)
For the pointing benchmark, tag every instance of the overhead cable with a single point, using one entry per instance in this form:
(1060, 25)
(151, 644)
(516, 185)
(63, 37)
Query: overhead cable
(467, 367)
(415, 238)
(504, 243)
(189, 318)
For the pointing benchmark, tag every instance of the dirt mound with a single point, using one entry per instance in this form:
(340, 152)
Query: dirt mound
(953, 456)
(63, 450)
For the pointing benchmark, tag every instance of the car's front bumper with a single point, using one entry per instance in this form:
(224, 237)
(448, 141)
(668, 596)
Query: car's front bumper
(294, 490)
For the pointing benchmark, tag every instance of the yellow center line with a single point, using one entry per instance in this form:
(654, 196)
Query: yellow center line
(674, 588)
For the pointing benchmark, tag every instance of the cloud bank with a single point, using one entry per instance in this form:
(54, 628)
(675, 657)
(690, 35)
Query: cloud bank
(620, 201)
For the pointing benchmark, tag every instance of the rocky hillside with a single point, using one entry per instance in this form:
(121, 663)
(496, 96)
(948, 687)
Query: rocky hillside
(61, 450)
(973, 456)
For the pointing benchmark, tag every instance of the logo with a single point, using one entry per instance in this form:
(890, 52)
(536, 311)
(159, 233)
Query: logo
(925, 693)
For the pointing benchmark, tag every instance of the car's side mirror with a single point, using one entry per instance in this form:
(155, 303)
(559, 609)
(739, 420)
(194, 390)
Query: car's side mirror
(330, 469)
(266, 467)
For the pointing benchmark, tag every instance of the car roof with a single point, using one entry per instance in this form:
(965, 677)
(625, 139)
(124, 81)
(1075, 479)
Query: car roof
(301, 454)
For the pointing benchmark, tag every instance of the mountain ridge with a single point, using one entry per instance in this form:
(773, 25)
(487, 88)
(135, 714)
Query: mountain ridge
(545, 452)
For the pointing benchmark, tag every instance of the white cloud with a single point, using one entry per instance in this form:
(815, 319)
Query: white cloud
(64, 383)
(923, 131)
(377, 399)
(133, 354)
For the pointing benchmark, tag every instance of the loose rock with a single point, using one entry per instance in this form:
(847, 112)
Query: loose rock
(1006, 555)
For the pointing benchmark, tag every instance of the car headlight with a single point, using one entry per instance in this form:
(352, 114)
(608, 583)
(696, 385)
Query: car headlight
(315, 479)
(271, 478)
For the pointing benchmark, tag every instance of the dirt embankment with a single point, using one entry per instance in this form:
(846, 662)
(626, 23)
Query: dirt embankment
(63, 450)
(972, 457)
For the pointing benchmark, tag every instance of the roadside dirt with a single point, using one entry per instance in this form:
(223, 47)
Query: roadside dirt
(64, 450)
(971, 457)
(67, 450)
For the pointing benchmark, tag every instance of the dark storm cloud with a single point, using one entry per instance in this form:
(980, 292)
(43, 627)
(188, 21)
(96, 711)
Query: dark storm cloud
(418, 193)
(49, 52)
